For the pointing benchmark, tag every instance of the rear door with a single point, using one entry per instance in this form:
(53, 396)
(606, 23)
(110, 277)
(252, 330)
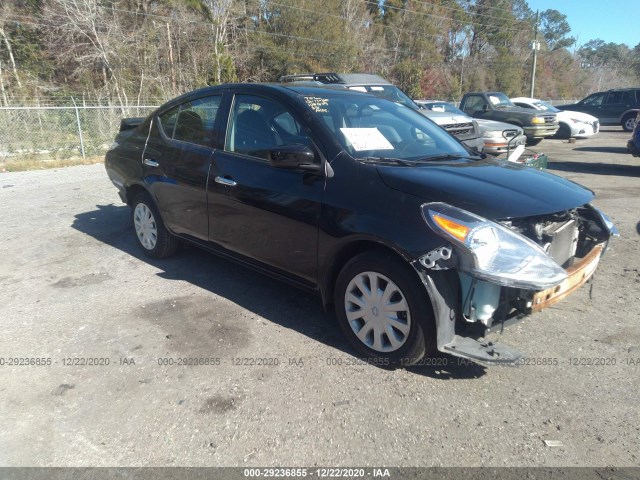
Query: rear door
(616, 103)
(266, 213)
(176, 164)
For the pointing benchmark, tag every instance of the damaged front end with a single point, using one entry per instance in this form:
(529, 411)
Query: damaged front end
(487, 274)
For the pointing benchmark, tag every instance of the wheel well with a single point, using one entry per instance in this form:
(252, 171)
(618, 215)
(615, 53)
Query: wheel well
(134, 190)
(343, 256)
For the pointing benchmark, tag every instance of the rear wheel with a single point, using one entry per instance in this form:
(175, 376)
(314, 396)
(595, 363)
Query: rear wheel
(629, 122)
(151, 234)
(384, 310)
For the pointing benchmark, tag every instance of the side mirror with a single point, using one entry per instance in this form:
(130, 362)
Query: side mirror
(295, 155)
(485, 108)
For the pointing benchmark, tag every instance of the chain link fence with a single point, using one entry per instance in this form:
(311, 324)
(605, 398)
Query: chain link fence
(46, 134)
(32, 137)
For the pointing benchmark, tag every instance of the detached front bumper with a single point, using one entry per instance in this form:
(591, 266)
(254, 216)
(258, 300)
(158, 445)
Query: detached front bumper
(578, 275)
(444, 292)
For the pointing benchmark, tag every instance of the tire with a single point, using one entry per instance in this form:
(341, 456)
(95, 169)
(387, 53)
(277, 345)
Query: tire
(629, 122)
(151, 235)
(533, 141)
(400, 342)
(564, 131)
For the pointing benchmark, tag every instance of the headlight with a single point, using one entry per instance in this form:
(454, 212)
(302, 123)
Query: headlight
(492, 252)
(575, 120)
(537, 120)
(492, 135)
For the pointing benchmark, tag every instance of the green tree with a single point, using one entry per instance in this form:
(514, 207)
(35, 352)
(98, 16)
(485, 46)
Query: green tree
(555, 28)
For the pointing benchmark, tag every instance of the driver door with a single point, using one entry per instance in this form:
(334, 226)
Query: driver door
(259, 211)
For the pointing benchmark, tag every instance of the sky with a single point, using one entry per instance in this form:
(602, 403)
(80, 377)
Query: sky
(616, 21)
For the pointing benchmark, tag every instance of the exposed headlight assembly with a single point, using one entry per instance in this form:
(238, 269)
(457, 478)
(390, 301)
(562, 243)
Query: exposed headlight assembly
(613, 230)
(491, 252)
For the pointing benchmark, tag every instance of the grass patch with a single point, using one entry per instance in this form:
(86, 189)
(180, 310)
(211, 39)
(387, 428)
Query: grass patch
(34, 163)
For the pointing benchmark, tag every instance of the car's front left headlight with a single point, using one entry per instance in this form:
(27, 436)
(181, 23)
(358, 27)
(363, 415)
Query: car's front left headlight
(492, 252)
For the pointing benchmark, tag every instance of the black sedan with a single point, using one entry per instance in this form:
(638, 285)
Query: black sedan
(418, 243)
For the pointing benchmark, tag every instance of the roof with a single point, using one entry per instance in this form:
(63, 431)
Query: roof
(337, 78)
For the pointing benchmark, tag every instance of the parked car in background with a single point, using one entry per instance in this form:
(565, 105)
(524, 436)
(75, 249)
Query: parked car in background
(463, 128)
(497, 137)
(572, 124)
(613, 107)
(497, 106)
(633, 145)
(418, 244)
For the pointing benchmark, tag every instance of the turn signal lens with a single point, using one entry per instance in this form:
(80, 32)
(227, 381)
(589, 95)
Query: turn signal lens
(458, 231)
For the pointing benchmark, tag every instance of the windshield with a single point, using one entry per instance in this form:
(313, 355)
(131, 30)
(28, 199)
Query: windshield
(388, 92)
(371, 128)
(500, 100)
(546, 106)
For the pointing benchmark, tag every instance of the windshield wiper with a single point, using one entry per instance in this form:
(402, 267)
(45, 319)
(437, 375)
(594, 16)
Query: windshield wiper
(444, 156)
(387, 161)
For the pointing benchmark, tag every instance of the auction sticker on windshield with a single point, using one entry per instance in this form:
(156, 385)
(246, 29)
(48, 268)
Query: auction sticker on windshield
(366, 139)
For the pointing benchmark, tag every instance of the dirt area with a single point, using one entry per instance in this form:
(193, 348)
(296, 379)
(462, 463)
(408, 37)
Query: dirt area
(276, 385)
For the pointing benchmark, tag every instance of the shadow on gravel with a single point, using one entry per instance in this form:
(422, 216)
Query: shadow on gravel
(596, 168)
(271, 299)
(622, 150)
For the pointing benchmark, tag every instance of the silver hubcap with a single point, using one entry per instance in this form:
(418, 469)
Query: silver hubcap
(145, 225)
(631, 123)
(377, 312)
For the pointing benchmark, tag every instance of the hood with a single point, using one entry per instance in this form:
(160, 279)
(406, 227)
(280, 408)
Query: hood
(491, 188)
(521, 110)
(444, 118)
(492, 125)
(566, 115)
(566, 107)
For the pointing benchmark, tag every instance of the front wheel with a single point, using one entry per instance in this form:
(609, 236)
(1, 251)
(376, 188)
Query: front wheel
(533, 141)
(152, 236)
(629, 123)
(384, 310)
(564, 131)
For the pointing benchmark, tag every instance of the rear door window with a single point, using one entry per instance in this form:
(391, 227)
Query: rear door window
(193, 121)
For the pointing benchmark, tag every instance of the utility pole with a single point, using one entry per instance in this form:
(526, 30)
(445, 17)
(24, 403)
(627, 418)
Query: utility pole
(535, 46)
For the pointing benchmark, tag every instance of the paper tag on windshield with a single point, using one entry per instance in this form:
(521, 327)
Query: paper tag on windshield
(366, 139)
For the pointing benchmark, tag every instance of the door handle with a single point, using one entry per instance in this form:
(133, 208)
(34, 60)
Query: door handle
(226, 181)
(150, 162)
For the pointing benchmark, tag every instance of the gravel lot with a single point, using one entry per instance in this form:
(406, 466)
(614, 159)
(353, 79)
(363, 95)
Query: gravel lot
(74, 285)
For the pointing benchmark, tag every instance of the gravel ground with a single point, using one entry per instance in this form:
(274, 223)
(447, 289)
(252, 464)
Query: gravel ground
(73, 285)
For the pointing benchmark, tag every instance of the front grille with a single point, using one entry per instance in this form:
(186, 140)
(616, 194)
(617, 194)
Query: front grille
(596, 126)
(459, 128)
(549, 119)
